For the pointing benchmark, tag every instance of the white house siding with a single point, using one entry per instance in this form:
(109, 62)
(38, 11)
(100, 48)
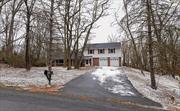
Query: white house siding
(117, 53)
(103, 58)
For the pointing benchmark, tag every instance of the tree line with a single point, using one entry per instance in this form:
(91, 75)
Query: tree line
(32, 30)
(152, 42)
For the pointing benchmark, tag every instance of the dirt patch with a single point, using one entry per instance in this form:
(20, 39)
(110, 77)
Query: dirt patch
(177, 109)
(84, 98)
(2, 85)
(53, 90)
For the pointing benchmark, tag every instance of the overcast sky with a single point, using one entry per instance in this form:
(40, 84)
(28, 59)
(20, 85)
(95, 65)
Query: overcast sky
(105, 24)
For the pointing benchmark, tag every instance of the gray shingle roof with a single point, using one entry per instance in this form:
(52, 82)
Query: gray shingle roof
(104, 45)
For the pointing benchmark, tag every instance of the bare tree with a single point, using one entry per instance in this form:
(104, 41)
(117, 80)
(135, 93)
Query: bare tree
(29, 4)
(150, 42)
(50, 36)
(152, 27)
(2, 3)
(78, 23)
(127, 28)
(15, 6)
(113, 38)
(98, 12)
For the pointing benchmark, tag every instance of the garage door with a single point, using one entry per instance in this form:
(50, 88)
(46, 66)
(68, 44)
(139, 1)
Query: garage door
(114, 61)
(103, 61)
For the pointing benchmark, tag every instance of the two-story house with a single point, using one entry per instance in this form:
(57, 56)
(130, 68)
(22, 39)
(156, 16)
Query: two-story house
(103, 54)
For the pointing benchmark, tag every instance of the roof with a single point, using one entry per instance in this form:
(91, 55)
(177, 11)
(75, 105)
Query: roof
(104, 45)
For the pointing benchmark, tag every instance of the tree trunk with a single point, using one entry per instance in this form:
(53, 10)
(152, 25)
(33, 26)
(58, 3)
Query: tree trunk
(76, 66)
(10, 38)
(85, 43)
(27, 53)
(150, 40)
(51, 36)
(138, 58)
(1, 5)
(68, 56)
(66, 33)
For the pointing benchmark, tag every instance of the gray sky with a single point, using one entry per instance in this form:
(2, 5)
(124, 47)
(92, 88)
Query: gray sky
(105, 24)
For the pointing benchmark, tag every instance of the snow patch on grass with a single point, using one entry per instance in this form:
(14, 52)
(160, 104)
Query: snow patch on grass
(168, 92)
(22, 78)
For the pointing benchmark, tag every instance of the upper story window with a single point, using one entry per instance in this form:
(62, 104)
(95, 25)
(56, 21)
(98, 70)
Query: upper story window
(111, 51)
(101, 51)
(91, 51)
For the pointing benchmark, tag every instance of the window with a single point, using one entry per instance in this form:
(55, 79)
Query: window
(88, 61)
(90, 51)
(100, 51)
(110, 51)
(59, 61)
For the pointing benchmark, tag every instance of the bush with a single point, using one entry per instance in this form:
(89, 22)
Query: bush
(16, 60)
(39, 63)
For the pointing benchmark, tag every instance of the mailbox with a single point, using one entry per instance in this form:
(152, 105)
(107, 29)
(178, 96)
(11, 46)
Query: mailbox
(48, 75)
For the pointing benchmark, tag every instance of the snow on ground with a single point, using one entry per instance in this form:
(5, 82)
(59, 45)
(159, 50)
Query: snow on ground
(106, 72)
(114, 80)
(168, 92)
(20, 77)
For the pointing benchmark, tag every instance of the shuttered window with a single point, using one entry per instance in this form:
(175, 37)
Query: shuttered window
(111, 51)
(101, 51)
(91, 51)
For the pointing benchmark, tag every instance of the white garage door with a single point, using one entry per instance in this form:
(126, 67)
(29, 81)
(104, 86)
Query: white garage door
(114, 61)
(103, 61)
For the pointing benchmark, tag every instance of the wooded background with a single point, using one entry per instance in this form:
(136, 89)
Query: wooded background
(32, 31)
(152, 30)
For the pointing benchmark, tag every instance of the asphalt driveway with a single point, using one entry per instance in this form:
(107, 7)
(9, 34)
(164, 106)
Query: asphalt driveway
(87, 87)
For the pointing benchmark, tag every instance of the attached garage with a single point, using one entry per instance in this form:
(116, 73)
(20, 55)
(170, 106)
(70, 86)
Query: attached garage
(95, 61)
(114, 61)
(103, 61)
(107, 61)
